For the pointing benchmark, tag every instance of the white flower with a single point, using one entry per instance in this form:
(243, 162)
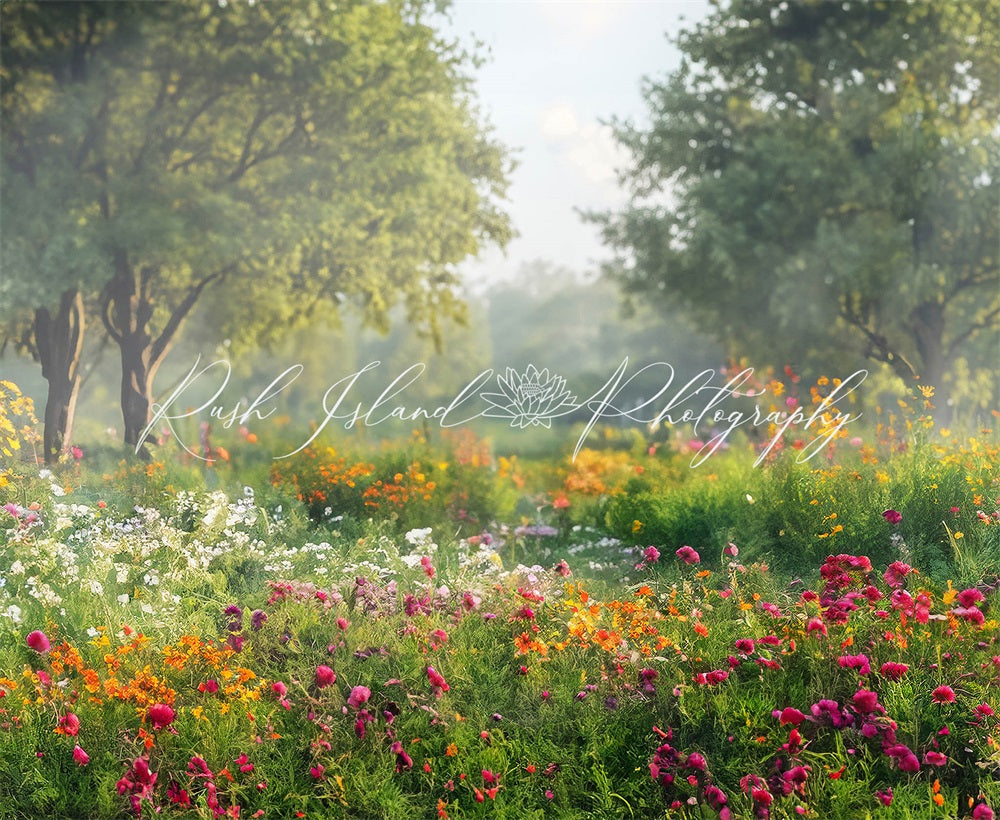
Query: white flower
(57, 490)
(17, 568)
(45, 474)
(14, 613)
(96, 588)
(418, 536)
(93, 633)
(123, 598)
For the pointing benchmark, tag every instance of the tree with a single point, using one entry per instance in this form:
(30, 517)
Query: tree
(824, 175)
(289, 157)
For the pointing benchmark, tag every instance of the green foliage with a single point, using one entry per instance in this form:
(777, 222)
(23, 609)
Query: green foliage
(833, 173)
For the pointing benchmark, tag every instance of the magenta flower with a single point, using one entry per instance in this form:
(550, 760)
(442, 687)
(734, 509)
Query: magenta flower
(865, 702)
(790, 715)
(894, 671)
(970, 597)
(80, 756)
(943, 694)
(896, 573)
(38, 641)
(438, 683)
(859, 662)
(816, 625)
(982, 812)
(983, 710)
(885, 798)
(403, 760)
(160, 715)
(325, 676)
(892, 516)
(908, 762)
(651, 554)
(688, 555)
(359, 697)
(935, 758)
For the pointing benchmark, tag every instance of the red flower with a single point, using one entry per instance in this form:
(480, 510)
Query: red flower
(325, 676)
(160, 715)
(38, 641)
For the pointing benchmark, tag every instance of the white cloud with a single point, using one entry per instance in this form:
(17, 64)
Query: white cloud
(559, 122)
(588, 147)
(581, 21)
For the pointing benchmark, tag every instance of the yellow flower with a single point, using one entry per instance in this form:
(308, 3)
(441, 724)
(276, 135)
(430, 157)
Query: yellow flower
(636, 525)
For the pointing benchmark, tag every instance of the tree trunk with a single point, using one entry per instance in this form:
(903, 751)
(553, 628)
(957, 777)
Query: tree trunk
(137, 387)
(59, 341)
(927, 322)
(127, 310)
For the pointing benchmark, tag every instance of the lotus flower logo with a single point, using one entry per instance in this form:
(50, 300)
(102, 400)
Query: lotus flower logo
(531, 399)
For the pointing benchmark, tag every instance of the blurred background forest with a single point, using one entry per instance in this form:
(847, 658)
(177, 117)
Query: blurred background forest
(814, 186)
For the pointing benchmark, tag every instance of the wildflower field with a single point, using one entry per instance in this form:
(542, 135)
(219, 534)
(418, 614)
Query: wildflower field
(437, 629)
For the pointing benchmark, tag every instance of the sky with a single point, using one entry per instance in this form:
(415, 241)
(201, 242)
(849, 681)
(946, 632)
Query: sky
(556, 71)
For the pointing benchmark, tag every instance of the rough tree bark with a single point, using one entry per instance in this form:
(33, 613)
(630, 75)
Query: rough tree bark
(59, 342)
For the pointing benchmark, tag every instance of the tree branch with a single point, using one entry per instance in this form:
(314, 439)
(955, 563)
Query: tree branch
(974, 328)
(878, 346)
(162, 344)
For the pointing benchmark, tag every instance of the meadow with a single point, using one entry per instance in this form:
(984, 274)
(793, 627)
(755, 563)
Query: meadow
(439, 629)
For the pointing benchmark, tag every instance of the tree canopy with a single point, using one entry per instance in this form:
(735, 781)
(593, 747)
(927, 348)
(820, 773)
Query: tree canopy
(822, 177)
(289, 157)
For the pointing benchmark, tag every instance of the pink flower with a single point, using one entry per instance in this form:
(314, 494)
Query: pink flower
(732, 550)
(865, 702)
(651, 554)
(80, 756)
(859, 662)
(359, 697)
(970, 597)
(896, 573)
(688, 555)
(317, 771)
(160, 715)
(70, 724)
(885, 798)
(982, 812)
(438, 683)
(279, 688)
(325, 676)
(908, 762)
(983, 710)
(943, 694)
(38, 641)
(342, 624)
(894, 671)
(972, 614)
(816, 625)
(935, 758)
(745, 645)
(892, 516)
(76, 452)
